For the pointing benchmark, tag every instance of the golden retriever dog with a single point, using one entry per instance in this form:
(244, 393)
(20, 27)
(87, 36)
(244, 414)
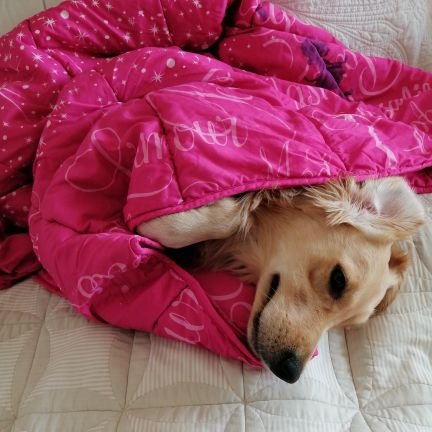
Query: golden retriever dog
(321, 257)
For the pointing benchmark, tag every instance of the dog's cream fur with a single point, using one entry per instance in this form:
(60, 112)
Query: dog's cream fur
(301, 235)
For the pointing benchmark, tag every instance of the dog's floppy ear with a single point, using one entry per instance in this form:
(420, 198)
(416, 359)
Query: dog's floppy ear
(386, 209)
(252, 205)
(398, 265)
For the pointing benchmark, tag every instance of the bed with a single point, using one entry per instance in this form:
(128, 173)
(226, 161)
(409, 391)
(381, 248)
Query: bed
(60, 372)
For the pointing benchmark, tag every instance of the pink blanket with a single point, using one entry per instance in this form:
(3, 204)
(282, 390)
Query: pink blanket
(115, 112)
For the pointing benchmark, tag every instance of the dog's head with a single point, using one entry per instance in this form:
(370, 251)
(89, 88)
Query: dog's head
(322, 258)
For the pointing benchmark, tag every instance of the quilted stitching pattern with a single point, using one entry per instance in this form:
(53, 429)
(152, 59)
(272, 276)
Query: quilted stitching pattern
(398, 29)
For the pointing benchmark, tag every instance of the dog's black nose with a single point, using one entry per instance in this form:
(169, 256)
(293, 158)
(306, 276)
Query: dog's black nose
(287, 366)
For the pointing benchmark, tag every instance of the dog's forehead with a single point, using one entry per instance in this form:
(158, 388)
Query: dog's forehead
(310, 236)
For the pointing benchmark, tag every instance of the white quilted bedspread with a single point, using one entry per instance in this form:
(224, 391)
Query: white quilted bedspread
(60, 373)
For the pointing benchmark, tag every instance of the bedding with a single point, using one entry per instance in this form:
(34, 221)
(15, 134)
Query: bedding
(53, 382)
(122, 125)
(60, 372)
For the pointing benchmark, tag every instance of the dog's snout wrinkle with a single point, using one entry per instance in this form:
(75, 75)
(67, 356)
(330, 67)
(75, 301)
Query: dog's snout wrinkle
(274, 285)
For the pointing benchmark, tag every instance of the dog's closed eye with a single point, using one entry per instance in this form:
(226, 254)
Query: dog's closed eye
(274, 285)
(337, 282)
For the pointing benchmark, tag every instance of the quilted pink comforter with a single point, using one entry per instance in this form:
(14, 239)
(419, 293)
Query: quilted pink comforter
(114, 112)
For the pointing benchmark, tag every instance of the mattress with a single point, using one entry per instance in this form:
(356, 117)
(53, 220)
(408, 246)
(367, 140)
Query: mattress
(59, 372)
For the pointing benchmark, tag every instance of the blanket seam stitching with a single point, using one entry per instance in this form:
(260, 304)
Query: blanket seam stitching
(43, 325)
(168, 27)
(167, 146)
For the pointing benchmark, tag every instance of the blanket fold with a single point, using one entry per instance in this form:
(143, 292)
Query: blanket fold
(116, 113)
